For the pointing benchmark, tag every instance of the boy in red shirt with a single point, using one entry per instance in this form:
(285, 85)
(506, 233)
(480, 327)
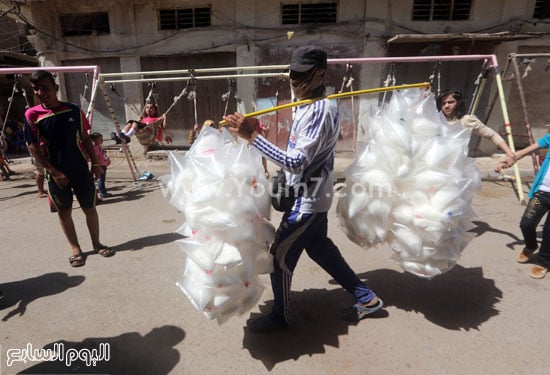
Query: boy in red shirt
(62, 130)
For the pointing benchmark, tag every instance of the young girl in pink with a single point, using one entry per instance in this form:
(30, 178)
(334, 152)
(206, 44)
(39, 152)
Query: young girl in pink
(141, 129)
(104, 162)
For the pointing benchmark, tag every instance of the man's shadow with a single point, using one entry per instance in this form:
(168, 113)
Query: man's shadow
(459, 299)
(129, 353)
(147, 241)
(318, 321)
(23, 292)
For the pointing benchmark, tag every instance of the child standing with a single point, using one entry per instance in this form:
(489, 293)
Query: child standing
(104, 162)
(537, 207)
(5, 170)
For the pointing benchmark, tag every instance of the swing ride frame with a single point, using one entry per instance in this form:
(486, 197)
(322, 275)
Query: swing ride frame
(188, 75)
(62, 69)
(513, 60)
(100, 80)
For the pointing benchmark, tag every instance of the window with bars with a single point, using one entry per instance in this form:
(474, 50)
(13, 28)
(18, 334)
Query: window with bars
(184, 18)
(542, 9)
(293, 14)
(84, 24)
(441, 10)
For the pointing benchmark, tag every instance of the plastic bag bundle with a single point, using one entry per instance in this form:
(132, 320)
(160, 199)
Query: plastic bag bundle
(411, 185)
(221, 190)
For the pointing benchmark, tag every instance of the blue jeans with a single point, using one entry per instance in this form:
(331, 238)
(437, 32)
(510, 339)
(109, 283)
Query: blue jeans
(535, 210)
(308, 232)
(101, 181)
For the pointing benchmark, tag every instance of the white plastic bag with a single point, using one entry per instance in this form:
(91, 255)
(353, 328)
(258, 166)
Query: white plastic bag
(220, 188)
(411, 185)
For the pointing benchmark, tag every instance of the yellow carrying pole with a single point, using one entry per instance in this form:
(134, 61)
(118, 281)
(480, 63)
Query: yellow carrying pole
(332, 96)
(508, 128)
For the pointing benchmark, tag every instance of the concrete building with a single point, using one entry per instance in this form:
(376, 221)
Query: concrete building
(140, 35)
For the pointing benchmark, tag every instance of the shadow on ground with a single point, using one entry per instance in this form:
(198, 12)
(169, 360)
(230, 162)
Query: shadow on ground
(148, 241)
(23, 292)
(129, 353)
(459, 299)
(482, 227)
(317, 322)
(139, 190)
(18, 195)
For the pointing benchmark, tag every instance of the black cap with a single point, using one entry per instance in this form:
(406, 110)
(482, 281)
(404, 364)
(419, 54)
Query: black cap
(307, 57)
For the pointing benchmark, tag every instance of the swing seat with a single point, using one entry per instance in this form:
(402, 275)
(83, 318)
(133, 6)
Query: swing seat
(145, 136)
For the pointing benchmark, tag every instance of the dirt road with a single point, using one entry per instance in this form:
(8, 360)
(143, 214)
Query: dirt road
(486, 316)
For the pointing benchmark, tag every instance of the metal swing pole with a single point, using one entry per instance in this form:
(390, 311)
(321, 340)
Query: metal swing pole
(186, 92)
(176, 99)
(436, 73)
(521, 93)
(131, 162)
(179, 96)
(347, 82)
(354, 127)
(227, 95)
(480, 84)
(132, 106)
(508, 128)
(390, 80)
(194, 91)
(277, 94)
(16, 79)
(276, 115)
(153, 97)
(481, 81)
(91, 105)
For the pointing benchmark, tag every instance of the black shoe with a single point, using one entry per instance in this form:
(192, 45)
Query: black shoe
(265, 324)
(125, 137)
(115, 138)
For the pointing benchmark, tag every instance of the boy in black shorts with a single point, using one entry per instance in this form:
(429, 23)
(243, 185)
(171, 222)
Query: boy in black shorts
(58, 139)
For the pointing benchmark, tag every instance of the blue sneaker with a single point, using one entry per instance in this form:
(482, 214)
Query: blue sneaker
(146, 176)
(363, 310)
(360, 311)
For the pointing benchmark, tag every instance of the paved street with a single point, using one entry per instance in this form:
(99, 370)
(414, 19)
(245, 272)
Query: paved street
(486, 316)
